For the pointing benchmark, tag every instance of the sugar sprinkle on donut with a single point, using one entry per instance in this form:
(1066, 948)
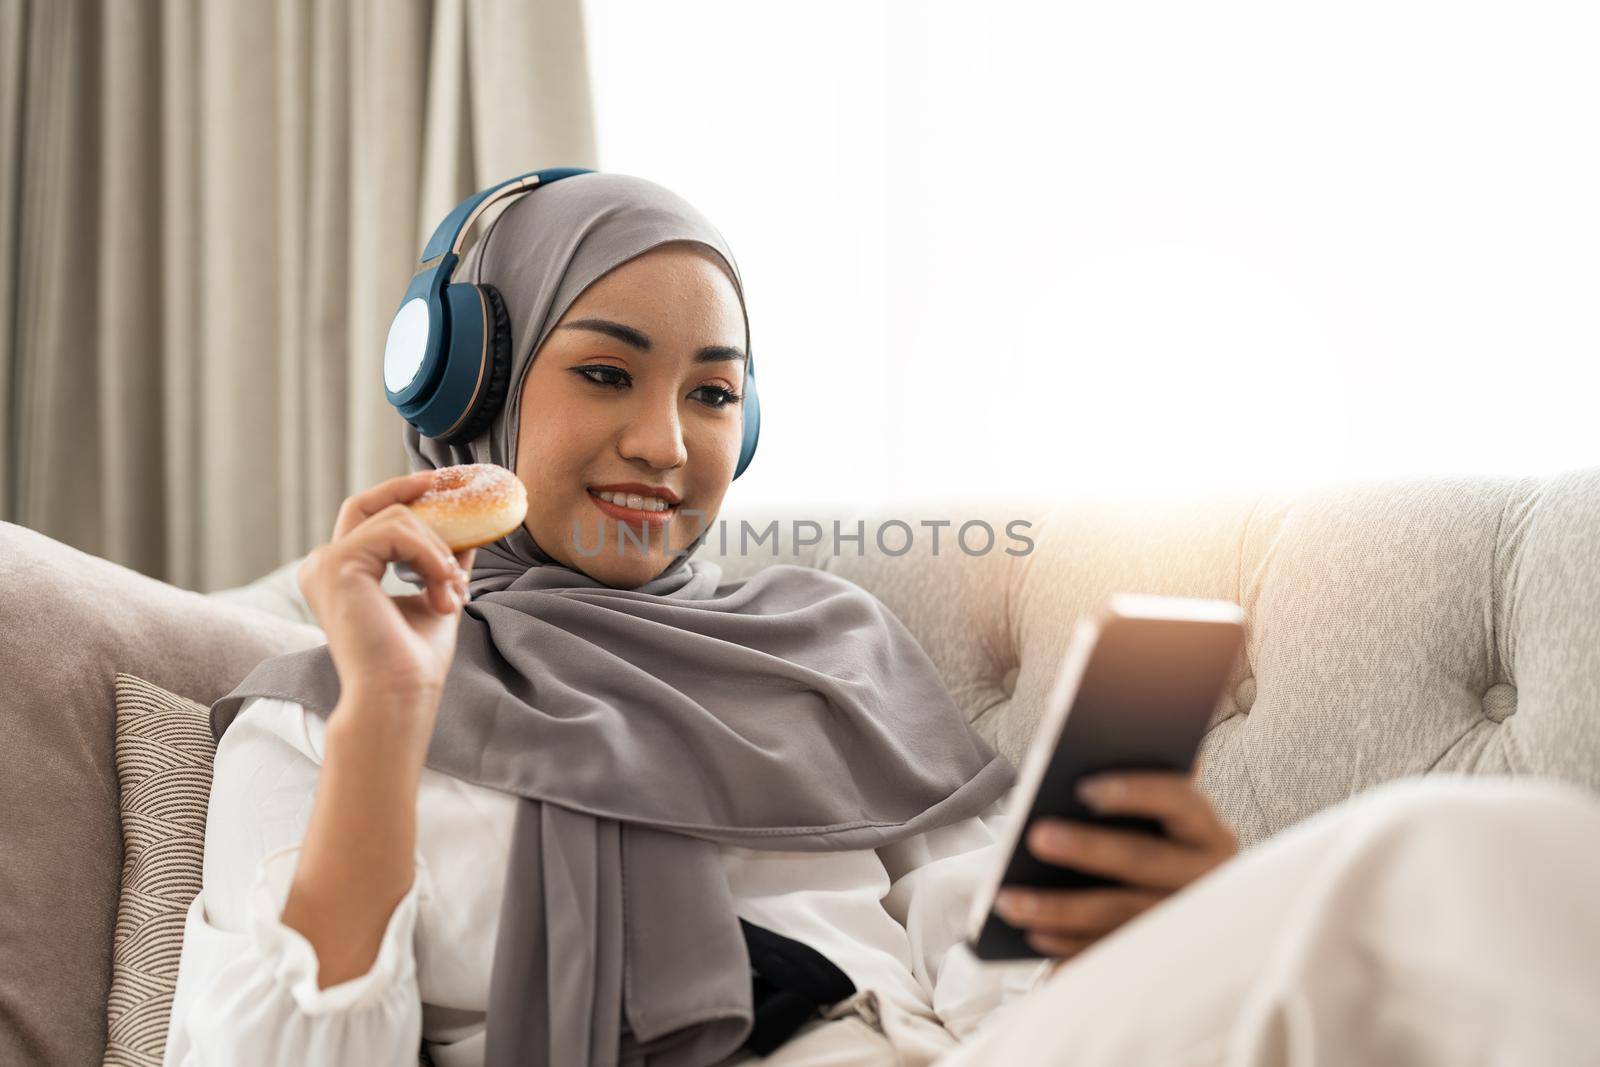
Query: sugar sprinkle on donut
(471, 483)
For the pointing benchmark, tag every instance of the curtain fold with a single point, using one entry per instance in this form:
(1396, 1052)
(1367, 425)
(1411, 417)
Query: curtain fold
(13, 35)
(207, 215)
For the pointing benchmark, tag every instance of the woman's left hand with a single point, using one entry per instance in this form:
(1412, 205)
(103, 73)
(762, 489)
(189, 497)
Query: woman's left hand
(1063, 922)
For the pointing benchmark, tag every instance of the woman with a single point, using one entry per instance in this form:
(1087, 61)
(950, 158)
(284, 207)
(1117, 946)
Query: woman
(421, 829)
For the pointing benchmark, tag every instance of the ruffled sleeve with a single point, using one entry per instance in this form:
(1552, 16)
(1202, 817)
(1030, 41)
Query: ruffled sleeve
(247, 984)
(251, 998)
(934, 877)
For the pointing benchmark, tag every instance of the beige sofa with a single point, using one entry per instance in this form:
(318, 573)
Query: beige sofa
(1396, 628)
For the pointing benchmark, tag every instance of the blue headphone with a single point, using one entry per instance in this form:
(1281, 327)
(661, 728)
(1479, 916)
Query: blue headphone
(447, 361)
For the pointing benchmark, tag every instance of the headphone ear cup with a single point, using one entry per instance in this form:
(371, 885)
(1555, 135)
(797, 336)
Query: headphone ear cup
(494, 393)
(752, 419)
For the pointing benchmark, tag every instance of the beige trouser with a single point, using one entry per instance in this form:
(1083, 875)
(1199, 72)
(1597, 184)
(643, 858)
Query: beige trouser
(1437, 921)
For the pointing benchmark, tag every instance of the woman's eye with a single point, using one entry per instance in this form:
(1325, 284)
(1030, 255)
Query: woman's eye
(723, 396)
(618, 382)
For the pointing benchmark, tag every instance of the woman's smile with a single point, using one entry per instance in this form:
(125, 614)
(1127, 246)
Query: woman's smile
(633, 508)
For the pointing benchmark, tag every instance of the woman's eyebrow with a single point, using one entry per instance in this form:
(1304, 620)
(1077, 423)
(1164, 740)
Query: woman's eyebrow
(626, 334)
(630, 336)
(718, 353)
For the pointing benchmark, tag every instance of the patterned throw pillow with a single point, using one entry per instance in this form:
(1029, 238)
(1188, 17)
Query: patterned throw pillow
(164, 757)
(164, 754)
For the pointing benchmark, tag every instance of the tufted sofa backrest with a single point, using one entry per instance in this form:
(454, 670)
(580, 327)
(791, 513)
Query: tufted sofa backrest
(1395, 628)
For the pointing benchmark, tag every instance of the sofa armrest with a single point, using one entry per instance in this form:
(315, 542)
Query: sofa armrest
(277, 592)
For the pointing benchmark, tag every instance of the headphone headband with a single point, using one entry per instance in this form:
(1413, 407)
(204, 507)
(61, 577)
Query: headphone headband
(453, 230)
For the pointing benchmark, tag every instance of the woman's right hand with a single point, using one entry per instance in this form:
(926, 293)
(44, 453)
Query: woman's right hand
(388, 649)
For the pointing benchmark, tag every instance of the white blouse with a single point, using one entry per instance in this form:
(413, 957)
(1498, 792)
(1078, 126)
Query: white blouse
(891, 918)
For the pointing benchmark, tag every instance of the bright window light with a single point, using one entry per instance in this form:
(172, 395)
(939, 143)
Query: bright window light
(1038, 249)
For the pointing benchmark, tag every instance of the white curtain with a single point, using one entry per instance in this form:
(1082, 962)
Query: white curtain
(208, 213)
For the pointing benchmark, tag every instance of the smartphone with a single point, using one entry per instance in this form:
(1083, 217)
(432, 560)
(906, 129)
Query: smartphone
(1137, 686)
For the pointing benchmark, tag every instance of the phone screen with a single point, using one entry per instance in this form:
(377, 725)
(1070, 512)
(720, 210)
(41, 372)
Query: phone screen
(1136, 692)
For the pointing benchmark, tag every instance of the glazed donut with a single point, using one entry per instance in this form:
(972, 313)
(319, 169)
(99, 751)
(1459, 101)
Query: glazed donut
(472, 504)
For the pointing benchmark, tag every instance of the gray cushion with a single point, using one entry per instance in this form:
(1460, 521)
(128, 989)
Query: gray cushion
(164, 757)
(71, 621)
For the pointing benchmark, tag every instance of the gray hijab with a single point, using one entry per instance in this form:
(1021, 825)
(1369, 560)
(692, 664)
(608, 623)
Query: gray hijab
(643, 728)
